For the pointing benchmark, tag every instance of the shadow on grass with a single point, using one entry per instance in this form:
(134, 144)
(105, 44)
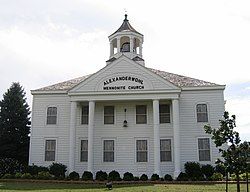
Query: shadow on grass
(32, 186)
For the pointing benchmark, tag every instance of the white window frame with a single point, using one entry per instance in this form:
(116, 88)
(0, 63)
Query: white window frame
(44, 151)
(210, 152)
(171, 142)
(109, 124)
(170, 112)
(105, 139)
(80, 151)
(81, 123)
(141, 114)
(46, 116)
(146, 139)
(202, 103)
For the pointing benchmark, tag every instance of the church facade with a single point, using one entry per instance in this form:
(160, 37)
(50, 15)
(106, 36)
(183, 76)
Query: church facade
(126, 117)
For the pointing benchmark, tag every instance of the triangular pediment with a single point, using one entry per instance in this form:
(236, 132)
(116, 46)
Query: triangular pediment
(123, 74)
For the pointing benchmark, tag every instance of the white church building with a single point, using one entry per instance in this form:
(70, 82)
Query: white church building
(126, 117)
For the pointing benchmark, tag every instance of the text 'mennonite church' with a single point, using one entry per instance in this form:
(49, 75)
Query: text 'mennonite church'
(125, 117)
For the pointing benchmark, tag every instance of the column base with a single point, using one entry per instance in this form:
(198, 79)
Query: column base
(176, 173)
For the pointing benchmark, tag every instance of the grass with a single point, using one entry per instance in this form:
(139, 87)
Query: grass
(64, 187)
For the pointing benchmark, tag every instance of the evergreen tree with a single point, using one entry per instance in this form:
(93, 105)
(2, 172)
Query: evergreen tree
(14, 124)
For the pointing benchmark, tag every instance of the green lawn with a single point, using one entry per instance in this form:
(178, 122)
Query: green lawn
(62, 187)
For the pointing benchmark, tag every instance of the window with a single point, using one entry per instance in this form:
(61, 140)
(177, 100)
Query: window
(50, 150)
(51, 115)
(109, 114)
(141, 114)
(165, 150)
(84, 151)
(164, 113)
(108, 151)
(201, 110)
(85, 115)
(141, 151)
(204, 149)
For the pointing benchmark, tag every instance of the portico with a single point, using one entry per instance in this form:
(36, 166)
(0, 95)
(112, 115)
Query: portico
(173, 98)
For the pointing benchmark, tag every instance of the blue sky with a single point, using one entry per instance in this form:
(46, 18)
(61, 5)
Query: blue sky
(43, 42)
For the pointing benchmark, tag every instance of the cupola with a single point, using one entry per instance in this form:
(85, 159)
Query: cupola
(126, 40)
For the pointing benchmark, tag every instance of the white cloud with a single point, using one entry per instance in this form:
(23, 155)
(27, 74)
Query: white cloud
(43, 42)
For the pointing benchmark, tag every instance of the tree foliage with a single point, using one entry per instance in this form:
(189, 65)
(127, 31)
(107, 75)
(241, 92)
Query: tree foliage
(234, 154)
(14, 124)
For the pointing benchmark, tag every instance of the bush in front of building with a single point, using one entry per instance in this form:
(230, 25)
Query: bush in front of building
(87, 176)
(101, 176)
(136, 178)
(155, 177)
(168, 177)
(219, 168)
(182, 177)
(217, 177)
(34, 169)
(44, 175)
(144, 177)
(207, 171)
(73, 176)
(26, 176)
(193, 170)
(128, 176)
(114, 176)
(58, 170)
(18, 175)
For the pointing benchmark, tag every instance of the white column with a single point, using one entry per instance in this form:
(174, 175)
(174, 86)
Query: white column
(140, 48)
(111, 49)
(176, 128)
(91, 135)
(156, 137)
(72, 136)
(118, 45)
(131, 44)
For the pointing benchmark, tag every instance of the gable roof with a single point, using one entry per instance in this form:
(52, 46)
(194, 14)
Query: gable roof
(178, 80)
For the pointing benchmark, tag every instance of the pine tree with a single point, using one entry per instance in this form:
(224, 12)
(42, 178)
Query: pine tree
(14, 124)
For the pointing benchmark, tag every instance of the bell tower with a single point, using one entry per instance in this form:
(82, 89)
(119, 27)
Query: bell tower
(126, 40)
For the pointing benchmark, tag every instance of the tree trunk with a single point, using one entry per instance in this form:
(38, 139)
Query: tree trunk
(238, 182)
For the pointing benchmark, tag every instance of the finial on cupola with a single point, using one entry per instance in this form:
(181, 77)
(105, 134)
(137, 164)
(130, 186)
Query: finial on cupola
(126, 16)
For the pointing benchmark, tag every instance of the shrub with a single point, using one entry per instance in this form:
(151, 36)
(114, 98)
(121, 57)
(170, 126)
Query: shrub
(34, 169)
(26, 176)
(128, 176)
(155, 177)
(114, 176)
(168, 177)
(74, 176)
(58, 170)
(144, 177)
(11, 166)
(208, 171)
(45, 175)
(7, 176)
(18, 175)
(101, 176)
(182, 177)
(219, 168)
(217, 177)
(136, 178)
(86, 176)
(193, 170)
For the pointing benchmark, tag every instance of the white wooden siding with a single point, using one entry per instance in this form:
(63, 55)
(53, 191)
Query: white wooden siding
(125, 154)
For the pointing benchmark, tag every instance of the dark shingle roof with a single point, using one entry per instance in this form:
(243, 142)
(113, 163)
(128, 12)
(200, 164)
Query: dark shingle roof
(125, 27)
(178, 80)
